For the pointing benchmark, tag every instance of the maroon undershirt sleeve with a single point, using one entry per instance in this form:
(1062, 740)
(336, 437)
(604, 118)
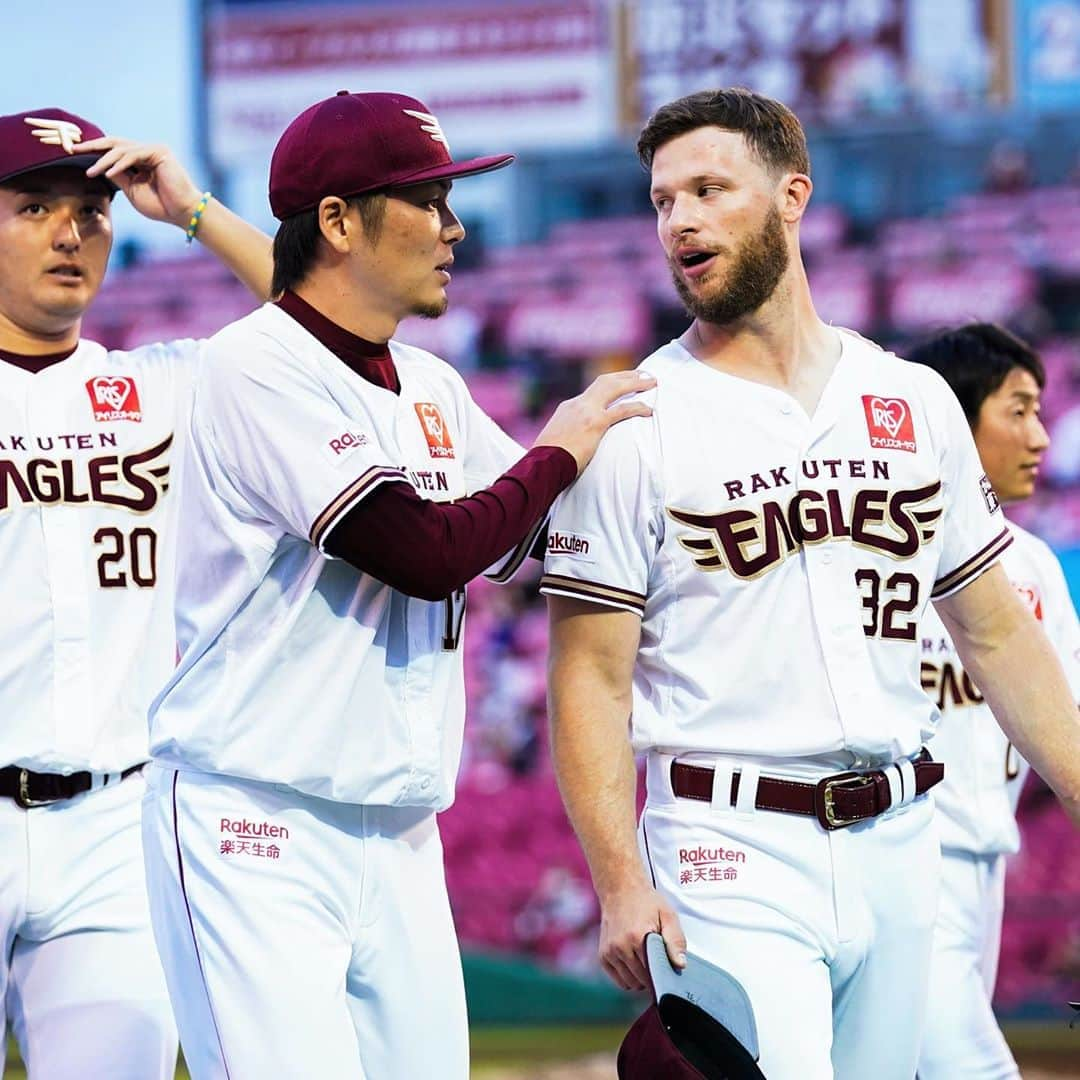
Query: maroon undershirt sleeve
(429, 549)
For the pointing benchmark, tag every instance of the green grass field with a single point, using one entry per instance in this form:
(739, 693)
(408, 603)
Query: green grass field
(1044, 1052)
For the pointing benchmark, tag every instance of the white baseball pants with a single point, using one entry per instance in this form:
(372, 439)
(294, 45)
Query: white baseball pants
(963, 1040)
(829, 932)
(79, 974)
(302, 937)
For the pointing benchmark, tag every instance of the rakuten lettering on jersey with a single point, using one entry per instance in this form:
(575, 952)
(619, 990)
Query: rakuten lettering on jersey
(242, 827)
(562, 543)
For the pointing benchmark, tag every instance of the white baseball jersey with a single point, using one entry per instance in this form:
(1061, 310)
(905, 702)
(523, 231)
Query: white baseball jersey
(983, 772)
(296, 668)
(780, 562)
(86, 447)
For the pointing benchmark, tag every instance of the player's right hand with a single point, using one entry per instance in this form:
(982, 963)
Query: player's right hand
(579, 423)
(626, 917)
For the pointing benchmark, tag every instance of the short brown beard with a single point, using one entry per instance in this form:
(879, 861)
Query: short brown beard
(759, 265)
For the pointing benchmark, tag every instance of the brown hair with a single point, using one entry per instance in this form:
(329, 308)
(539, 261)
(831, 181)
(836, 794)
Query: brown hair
(296, 242)
(770, 128)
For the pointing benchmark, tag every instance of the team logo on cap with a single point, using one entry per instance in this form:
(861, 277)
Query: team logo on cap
(429, 124)
(889, 423)
(62, 133)
(435, 430)
(114, 397)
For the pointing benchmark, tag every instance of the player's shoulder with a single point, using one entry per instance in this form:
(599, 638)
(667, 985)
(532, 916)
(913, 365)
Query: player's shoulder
(261, 344)
(265, 327)
(412, 361)
(921, 380)
(875, 362)
(141, 356)
(1033, 550)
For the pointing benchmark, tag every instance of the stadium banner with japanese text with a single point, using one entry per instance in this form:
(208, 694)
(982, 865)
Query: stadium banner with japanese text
(515, 75)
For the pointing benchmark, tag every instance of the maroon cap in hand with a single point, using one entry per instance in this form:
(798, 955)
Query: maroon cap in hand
(44, 138)
(700, 1025)
(354, 143)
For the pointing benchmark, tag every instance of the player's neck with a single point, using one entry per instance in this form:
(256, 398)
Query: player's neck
(346, 309)
(772, 344)
(18, 339)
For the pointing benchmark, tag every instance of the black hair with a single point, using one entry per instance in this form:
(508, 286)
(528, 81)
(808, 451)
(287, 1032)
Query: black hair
(770, 128)
(296, 242)
(975, 360)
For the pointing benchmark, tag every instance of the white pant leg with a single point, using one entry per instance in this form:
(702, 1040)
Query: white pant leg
(754, 896)
(406, 991)
(14, 845)
(830, 932)
(963, 1040)
(254, 892)
(87, 996)
(887, 874)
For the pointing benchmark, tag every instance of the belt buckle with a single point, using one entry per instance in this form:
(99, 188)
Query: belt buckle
(22, 797)
(826, 804)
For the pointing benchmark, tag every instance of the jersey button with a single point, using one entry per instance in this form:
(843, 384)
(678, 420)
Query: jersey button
(786, 408)
(425, 783)
(826, 557)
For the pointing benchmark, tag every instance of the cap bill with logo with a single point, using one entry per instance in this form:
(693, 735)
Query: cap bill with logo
(701, 1026)
(351, 144)
(45, 138)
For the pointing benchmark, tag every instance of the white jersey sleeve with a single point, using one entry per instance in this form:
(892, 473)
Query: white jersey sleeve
(284, 451)
(974, 531)
(1059, 620)
(607, 527)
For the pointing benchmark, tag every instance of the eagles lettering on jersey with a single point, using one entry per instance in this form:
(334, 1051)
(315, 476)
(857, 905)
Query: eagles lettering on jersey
(129, 481)
(750, 542)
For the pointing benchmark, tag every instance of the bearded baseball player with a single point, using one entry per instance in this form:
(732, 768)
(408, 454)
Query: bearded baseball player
(87, 440)
(342, 488)
(998, 380)
(736, 582)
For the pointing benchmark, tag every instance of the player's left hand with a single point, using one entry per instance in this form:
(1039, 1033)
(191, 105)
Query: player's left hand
(155, 183)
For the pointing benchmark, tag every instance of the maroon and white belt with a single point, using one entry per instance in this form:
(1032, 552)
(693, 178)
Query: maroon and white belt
(837, 801)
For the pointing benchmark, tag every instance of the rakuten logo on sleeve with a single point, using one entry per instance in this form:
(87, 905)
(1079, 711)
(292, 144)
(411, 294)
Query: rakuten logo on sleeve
(344, 445)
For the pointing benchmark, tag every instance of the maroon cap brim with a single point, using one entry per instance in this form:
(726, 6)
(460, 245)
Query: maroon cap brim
(72, 161)
(453, 170)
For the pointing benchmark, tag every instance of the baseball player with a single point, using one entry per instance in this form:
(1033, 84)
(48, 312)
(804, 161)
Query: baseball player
(314, 723)
(998, 380)
(742, 576)
(87, 440)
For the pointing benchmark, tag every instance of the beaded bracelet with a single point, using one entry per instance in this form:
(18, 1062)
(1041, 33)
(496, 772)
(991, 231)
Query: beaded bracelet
(196, 216)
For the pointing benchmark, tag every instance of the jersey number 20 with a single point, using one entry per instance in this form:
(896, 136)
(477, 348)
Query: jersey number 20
(126, 558)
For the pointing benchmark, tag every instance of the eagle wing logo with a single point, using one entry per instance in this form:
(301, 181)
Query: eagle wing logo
(704, 549)
(429, 125)
(62, 133)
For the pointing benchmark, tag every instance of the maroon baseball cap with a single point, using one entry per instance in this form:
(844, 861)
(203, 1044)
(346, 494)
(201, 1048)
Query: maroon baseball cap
(353, 143)
(699, 1027)
(42, 139)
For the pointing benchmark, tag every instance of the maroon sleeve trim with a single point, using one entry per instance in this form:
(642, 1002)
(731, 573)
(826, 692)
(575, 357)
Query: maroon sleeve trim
(520, 554)
(593, 591)
(967, 571)
(350, 495)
